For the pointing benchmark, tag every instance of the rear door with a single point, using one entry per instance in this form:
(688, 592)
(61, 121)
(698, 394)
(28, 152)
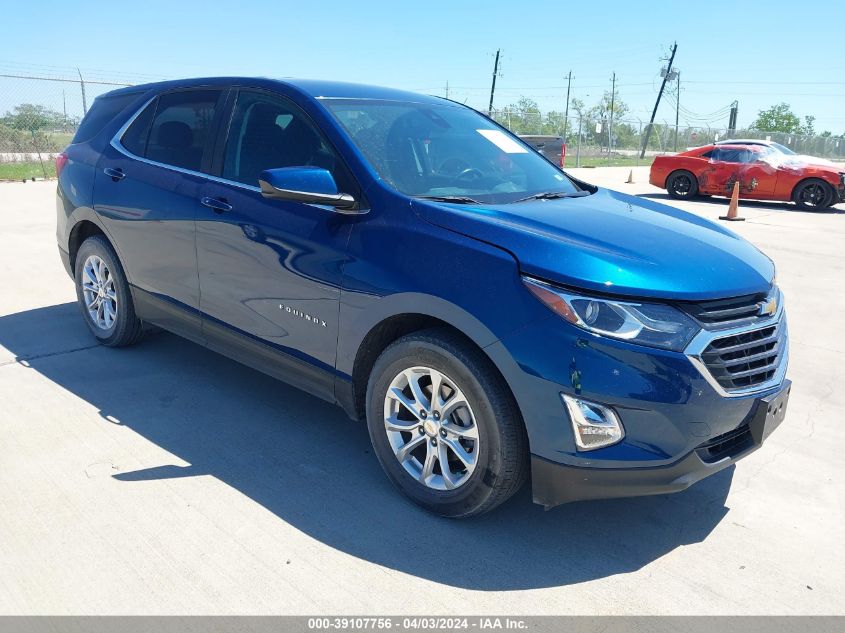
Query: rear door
(147, 190)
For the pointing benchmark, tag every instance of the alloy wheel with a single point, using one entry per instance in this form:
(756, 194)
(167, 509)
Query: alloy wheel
(99, 292)
(813, 195)
(681, 185)
(431, 428)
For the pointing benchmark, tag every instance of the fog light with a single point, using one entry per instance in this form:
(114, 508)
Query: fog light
(594, 425)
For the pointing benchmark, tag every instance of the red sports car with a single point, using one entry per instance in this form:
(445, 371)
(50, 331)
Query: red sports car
(762, 172)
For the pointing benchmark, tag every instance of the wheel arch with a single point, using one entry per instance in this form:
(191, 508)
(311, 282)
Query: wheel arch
(676, 171)
(386, 329)
(805, 180)
(80, 232)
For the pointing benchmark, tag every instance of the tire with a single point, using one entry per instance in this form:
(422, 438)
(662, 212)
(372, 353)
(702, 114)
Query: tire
(489, 428)
(682, 185)
(107, 291)
(813, 194)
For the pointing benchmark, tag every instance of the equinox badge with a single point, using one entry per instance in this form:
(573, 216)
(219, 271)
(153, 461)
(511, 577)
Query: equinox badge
(302, 315)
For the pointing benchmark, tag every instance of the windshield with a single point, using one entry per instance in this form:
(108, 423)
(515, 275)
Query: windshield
(446, 150)
(783, 149)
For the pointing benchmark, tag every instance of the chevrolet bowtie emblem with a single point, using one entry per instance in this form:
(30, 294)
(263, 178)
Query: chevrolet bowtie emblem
(769, 307)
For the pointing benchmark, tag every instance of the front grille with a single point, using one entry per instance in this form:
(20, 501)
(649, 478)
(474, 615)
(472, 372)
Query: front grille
(722, 311)
(727, 445)
(746, 359)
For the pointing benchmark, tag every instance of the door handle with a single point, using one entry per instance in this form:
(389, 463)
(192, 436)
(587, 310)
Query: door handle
(114, 174)
(218, 205)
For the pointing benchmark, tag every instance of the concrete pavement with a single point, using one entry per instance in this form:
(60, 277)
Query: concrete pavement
(166, 479)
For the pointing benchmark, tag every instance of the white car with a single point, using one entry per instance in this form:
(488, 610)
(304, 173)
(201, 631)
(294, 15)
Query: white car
(782, 149)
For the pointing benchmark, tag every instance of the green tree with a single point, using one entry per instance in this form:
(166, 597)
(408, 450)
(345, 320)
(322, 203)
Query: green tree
(778, 118)
(29, 116)
(602, 110)
(577, 106)
(809, 127)
(601, 113)
(32, 118)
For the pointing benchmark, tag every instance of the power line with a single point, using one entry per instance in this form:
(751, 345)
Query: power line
(73, 81)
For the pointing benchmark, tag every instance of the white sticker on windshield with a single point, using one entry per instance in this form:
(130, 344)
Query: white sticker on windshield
(503, 141)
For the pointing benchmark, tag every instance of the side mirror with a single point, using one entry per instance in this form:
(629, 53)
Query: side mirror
(311, 185)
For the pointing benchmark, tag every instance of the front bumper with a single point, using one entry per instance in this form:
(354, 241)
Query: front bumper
(670, 409)
(554, 483)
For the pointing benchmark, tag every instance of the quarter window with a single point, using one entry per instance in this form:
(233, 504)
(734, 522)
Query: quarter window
(103, 110)
(135, 138)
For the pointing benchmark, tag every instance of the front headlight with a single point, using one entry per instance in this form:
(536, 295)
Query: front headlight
(652, 324)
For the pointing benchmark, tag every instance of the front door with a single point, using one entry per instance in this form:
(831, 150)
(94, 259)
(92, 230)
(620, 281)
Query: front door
(759, 171)
(728, 165)
(270, 270)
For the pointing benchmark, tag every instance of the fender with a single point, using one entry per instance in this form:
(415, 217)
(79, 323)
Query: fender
(358, 329)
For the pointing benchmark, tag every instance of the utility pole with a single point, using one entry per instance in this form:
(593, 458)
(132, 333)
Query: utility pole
(447, 88)
(610, 126)
(732, 119)
(657, 102)
(566, 112)
(493, 87)
(84, 101)
(677, 107)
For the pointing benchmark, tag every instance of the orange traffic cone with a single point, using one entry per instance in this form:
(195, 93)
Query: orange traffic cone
(630, 180)
(733, 214)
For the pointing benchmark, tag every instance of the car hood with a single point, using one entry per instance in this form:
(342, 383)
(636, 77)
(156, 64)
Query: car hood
(803, 160)
(614, 243)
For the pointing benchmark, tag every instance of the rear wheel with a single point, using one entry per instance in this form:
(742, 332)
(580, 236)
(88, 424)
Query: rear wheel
(682, 185)
(103, 294)
(444, 425)
(813, 195)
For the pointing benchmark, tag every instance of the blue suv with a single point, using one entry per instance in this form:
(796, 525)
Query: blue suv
(405, 257)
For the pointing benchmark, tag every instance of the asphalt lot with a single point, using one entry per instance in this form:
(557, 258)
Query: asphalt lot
(164, 478)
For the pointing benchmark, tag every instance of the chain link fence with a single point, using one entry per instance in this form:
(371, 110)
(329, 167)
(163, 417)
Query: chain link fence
(620, 142)
(39, 116)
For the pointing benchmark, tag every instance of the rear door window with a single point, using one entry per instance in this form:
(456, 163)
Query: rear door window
(179, 130)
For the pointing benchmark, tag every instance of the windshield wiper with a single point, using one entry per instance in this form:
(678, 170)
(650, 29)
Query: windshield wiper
(455, 199)
(552, 195)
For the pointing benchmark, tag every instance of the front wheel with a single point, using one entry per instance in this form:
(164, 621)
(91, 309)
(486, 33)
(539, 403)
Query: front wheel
(682, 185)
(444, 425)
(813, 195)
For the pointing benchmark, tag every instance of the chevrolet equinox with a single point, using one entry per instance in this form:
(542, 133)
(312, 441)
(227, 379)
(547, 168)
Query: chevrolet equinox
(489, 316)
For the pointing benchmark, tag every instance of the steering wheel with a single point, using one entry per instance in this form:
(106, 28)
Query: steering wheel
(470, 173)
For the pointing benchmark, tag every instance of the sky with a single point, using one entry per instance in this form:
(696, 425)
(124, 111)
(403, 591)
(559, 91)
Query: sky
(755, 52)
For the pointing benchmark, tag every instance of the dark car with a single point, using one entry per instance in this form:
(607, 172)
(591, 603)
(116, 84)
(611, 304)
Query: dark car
(410, 260)
(551, 147)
